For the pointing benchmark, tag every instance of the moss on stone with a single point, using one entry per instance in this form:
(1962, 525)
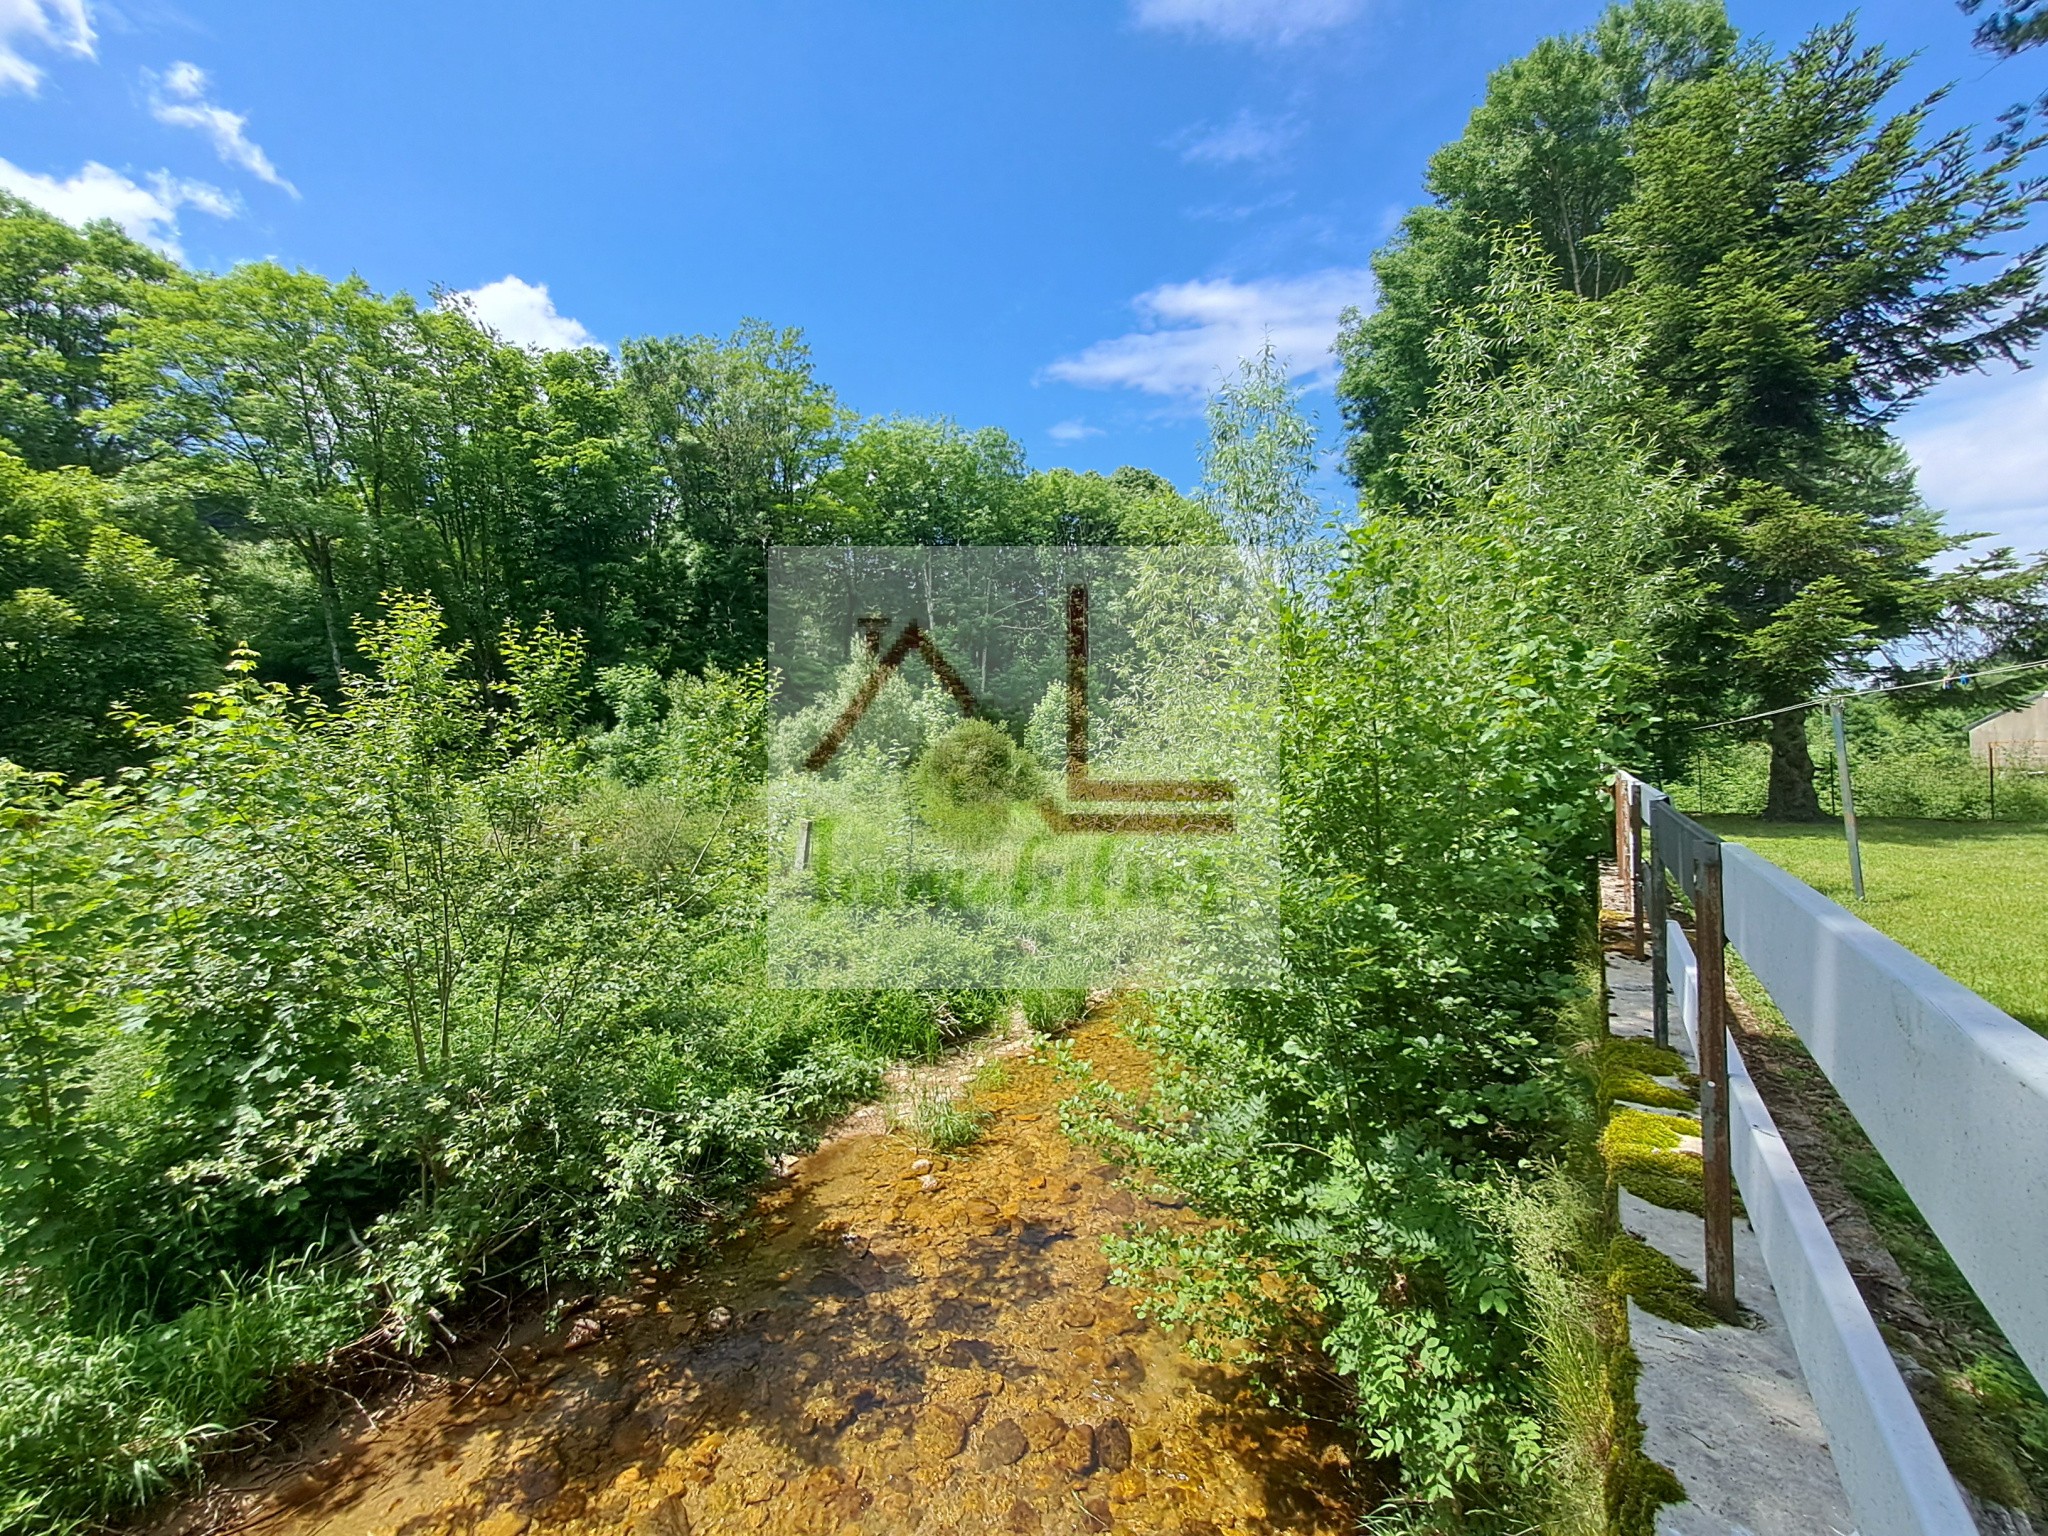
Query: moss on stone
(1657, 1283)
(1628, 1069)
(1642, 1155)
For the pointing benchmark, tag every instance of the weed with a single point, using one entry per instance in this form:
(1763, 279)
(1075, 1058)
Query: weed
(940, 1124)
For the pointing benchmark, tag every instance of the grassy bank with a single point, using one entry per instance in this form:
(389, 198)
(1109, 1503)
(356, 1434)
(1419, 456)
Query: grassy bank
(1966, 897)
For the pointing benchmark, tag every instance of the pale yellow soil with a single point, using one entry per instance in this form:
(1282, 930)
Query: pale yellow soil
(885, 1351)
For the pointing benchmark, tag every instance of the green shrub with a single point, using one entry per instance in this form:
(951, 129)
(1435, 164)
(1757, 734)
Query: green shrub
(967, 780)
(328, 1014)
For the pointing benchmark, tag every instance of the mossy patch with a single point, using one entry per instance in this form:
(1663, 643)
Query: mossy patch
(1657, 1283)
(1641, 1151)
(1628, 1069)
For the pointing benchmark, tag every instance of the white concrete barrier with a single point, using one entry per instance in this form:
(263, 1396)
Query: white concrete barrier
(1891, 1471)
(1952, 1092)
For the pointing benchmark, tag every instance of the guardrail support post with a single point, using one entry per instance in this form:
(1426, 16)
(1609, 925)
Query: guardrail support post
(1717, 1151)
(1635, 869)
(1660, 946)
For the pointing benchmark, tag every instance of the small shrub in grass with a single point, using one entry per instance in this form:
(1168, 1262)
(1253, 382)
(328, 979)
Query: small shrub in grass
(942, 1124)
(967, 781)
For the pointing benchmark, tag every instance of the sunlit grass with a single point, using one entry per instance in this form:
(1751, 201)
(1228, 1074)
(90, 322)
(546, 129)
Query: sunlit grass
(1970, 898)
(938, 1123)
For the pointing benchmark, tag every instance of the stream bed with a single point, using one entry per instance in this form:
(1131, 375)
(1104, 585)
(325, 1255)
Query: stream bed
(883, 1348)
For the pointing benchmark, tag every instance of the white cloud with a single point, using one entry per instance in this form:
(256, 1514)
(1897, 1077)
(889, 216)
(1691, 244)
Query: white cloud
(65, 25)
(1981, 445)
(521, 313)
(179, 99)
(1247, 21)
(1072, 430)
(1247, 139)
(149, 212)
(1193, 334)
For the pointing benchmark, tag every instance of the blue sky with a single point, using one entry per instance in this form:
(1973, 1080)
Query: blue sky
(1063, 217)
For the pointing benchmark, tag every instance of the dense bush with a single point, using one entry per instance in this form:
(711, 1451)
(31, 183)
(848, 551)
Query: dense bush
(327, 1016)
(1366, 1087)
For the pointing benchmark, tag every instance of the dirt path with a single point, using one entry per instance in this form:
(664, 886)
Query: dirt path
(890, 1350)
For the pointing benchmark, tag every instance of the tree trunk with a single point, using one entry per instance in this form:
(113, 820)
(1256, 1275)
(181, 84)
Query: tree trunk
(1791, 796)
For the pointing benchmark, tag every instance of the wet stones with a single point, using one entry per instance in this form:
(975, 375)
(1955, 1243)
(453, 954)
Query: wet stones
(1123, 1365)
(1113, 1445)
(940, 1432)
(963, 1354)
(832, 1282)
(1074, 1452)
(1041, 1429)
(665, 1517)
(527, 1485)
(1003, 1445)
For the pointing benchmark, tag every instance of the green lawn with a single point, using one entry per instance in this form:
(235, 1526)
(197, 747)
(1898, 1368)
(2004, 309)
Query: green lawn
(1969, 897)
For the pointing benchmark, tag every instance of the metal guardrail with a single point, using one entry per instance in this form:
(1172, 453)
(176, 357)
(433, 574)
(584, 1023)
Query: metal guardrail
(1953, 1092)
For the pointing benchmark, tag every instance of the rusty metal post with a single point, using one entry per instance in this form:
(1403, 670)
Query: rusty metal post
(1619, 789)
(1635, 868)
(1660, 943)
(1709, 944)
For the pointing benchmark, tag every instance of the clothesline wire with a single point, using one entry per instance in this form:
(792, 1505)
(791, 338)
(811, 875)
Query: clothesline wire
(1963, 679)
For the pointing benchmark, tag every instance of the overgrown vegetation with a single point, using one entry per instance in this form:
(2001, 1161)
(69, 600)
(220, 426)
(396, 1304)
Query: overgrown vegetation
(390, 852)
(333, 1016)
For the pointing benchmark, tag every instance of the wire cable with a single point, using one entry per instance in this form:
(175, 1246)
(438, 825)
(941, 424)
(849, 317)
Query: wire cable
(1950, 680)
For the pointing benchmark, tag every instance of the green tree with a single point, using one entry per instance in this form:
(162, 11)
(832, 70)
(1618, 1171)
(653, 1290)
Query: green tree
(2011, 27)
(1259, 470)
(298, 397)
(738, 432)
(906, 480)
(63, 293)
(1802, 267)
(92, 616)
(1548, 150)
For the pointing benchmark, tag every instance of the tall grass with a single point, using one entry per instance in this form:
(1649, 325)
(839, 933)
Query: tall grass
(95, 1423)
